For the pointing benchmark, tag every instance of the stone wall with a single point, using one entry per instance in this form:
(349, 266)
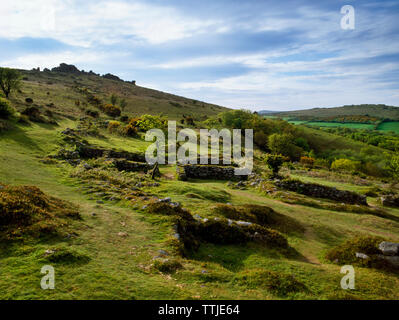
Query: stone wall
(90, 152)
(131, 166)
(320, 191)
(390, 201)
(214, 172)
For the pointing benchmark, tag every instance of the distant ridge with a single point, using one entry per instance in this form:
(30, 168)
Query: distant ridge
(267, 112)
(380, 111)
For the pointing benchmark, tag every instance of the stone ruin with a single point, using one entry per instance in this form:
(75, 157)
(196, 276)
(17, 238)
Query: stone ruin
(390, 201)
(321, 191)
(203, 171)
(389, 252)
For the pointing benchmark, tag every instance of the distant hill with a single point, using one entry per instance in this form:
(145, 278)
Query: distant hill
(261, 112)
(379, 111)
(60, 88)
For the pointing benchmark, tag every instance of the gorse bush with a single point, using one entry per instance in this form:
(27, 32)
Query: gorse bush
(307, 161)
(112, 110)
(274, 162)
(345, 165)
(346, 252)
(6, 111)
(113, 126)
(147, 122)
(28, 209)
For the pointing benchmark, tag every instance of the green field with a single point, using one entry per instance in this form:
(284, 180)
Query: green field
(367, 126)
(389, 126)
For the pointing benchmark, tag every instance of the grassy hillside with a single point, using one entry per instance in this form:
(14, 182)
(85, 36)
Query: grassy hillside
(134, 234)
(120, 239)
(58, 91)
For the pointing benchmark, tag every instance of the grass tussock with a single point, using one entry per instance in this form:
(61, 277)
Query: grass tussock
(27, 210)
(346, 252)
(278, 283)
(167, 265)
(65, 255)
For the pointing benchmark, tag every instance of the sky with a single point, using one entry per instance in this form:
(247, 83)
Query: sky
(252, 54)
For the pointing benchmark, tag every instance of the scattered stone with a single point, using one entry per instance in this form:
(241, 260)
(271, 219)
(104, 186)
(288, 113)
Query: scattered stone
(100, 201)
(361, 255)
(167, 199)
(390, 201)
(389, 248)
(122, 234)
(163, 252)
(392, 260)
(321, 191)
(214, 172)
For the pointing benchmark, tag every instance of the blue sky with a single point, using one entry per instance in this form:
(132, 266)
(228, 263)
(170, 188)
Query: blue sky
(274, 55)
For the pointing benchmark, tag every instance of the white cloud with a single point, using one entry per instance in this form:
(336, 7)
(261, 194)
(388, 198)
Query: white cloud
(49, 60)
(80, 23)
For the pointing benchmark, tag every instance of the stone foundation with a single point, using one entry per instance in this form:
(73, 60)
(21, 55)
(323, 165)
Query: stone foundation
(214, 172)
(320, 191)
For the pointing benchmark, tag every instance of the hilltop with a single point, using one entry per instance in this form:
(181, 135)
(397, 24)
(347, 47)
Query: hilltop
(62, 86)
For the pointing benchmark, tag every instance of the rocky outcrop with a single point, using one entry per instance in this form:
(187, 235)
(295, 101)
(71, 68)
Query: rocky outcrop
(214, 172)
(67, 68)
(321, 191)
(390, 201)
(389, 254)
(111, 77)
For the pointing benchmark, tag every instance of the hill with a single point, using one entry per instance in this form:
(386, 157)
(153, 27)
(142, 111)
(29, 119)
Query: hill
(61, 87)
(378, 111)
(76, 194)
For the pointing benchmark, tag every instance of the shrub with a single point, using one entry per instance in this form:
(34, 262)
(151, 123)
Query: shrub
(66, 256)
(112, 110)
(274, 162)
(147, 122)
(113, 126)
(167, 265)
(346, 252)
(92, 113)
(260, 139)
(307, 161)
(284, 144)
(278, 283)
(113, 99)
(345, 165)
(10, 79)
(28, 209)
(6, 111)
(34, 114)
(322, 163)
(130, 130)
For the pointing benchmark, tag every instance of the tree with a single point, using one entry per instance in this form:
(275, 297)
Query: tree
(393, 166)
(10, 79)
(274, 162)
(113, 99)
(283, 144)
(123, 104)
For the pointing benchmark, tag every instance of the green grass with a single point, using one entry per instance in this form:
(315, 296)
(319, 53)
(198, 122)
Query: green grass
(343, 125)
(389, 126)
(106, 265)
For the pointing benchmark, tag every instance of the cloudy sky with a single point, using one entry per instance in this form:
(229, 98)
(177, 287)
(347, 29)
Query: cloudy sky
(274, 55)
